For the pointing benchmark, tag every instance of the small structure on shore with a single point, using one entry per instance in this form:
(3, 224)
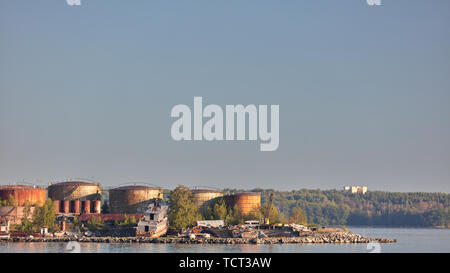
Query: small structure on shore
(210, 223)
(4, 229)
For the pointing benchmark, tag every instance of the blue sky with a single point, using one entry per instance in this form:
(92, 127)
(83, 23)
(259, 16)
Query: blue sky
(364, 92)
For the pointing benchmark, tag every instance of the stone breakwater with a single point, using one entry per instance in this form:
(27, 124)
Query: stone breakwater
(330, 238)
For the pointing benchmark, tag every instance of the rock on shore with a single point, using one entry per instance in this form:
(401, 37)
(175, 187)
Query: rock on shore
(312, 238)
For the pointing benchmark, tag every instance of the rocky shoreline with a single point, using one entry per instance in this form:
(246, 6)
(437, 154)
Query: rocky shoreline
(326, 238)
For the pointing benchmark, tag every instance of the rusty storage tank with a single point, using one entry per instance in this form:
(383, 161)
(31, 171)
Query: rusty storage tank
(75, 190)
(245, 201)
(202, 196)
(96, 206)
(66, 206)
(23, 193)
(86, 207)
(57, 204)
(132, 199)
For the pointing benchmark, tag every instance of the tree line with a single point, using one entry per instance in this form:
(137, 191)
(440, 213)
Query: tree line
(375, 208)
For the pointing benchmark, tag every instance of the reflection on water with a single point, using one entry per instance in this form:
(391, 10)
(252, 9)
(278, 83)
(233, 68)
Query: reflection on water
(408, 240)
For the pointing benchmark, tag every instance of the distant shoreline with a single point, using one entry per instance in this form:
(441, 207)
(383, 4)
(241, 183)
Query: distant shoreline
(431, 227)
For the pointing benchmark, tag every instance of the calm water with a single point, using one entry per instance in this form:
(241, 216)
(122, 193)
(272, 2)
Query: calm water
(408, 240)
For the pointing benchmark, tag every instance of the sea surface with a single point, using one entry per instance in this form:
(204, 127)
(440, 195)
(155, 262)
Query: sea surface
(409, 240)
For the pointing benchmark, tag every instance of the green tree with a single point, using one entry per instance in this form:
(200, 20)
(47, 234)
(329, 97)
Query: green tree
(27, 225)
(11, 201)
(128, 221)
(95, 223)
(234, 216)
(105, 208)
(282, 218)
(254, 214)
(207, 213)
(183, 211)
(45, 216)
(77, 223)
(220, 210)
(274, 216)
(298, 217)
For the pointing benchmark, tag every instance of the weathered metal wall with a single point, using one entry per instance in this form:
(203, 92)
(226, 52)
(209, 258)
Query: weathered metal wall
(202, 196)
(96, 206)
(132, 199)
(66, 206)
(22, 194)
(246, 201)
(15, 214)
(75, 206)
(75, 190)
(86, 207)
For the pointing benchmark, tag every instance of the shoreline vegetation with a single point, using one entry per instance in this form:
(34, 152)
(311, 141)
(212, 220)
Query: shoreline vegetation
(374, 208)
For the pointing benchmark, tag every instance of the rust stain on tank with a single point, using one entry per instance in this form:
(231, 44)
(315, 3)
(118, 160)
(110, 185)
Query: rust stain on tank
(203, 196)
(132, 199)
(246, 202)
(75, 206)
(66, 206)
(86, 206)
(75, 190)
(23, 194)
(96, 206)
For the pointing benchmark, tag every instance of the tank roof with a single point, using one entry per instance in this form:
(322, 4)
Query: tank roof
(74, 183)
(19, 187)
(205, 191)
(135, 187)
(246, 194)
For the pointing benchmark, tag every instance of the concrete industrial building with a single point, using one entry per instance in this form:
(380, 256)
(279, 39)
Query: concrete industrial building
(356, 189)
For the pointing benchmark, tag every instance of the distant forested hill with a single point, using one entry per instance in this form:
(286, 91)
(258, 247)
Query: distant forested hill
(375, 208)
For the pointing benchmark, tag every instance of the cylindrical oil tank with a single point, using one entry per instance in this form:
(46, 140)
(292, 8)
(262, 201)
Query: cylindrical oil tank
(246, 202)
(96, 206)
(57, 205)
(86, 206)
(75, 206)
(132, 199)
(74, 190)
(61, 206)
(202, 196)
(66, 206)
(23, 194)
